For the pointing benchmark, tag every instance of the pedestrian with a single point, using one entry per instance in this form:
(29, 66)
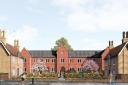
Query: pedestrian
(32, 80)
(23, 79)
(112, 79)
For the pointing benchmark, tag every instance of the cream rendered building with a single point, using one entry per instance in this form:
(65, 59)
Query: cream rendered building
(123, 60)
(11, 64)
(116, 60)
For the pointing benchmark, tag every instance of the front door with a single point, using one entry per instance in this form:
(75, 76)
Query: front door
(62, 71)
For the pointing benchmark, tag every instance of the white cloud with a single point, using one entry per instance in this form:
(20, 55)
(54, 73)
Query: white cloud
(92, 15)
(93, 44)
(34, 6)
(3, 18)
(26, 35)
(71, 5)
(82, 21)
(33, 1)
(89, 44)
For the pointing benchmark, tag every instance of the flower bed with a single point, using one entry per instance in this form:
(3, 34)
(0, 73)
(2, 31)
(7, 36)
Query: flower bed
(43, 76)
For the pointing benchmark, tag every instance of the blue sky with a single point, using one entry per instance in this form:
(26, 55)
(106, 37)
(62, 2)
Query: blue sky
(87, 24)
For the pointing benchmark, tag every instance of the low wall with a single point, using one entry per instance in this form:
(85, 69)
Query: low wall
(4, 76)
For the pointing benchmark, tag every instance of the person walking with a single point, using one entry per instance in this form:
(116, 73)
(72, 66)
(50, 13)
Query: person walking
(112, 79)
(23, 79)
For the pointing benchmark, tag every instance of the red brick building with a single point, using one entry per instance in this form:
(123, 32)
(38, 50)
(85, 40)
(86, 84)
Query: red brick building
(61, 59)
(27, 58)
(111, 59)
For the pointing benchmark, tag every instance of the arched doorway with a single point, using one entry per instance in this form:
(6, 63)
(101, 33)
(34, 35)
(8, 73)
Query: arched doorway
(62, 71)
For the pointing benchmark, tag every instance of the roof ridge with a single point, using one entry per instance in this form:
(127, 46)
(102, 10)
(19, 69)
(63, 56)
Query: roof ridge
(5, 48)
(123, 47)
(14, 51)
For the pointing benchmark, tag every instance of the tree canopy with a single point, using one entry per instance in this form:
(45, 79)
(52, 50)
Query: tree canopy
(62, 41)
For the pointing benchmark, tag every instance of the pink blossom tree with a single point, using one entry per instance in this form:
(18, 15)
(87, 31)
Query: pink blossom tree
(90, 65)
(39, 67)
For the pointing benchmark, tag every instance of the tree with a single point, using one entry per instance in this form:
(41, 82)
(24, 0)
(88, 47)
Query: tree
(62, 41)
(90, 66)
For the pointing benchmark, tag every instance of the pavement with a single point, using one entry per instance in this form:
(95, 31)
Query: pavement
(54, 83)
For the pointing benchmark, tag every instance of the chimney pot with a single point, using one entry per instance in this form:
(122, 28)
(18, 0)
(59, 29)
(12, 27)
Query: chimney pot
(2, 36)
(110, 44)
(127, 34)
(123, 34)
(3, 33)
(16, 44)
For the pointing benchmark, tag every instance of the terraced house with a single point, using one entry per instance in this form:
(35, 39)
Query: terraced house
(11, 64)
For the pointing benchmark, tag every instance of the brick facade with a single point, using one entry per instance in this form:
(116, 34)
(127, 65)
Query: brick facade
(63, 60)
(27, 60)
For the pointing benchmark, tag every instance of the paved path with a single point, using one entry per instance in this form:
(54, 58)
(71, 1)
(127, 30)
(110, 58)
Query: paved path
(54, 83)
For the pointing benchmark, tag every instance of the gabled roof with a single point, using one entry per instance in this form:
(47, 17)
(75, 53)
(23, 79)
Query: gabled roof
(105, 53)
(116, 50)
(22, 52)
(82, 53)
(13, 51)
(41, 53)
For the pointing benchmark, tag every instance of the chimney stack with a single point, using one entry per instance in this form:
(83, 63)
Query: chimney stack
(111, 44)
(125, 37)
(2, 36)
(16, 44)
(123, 34)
